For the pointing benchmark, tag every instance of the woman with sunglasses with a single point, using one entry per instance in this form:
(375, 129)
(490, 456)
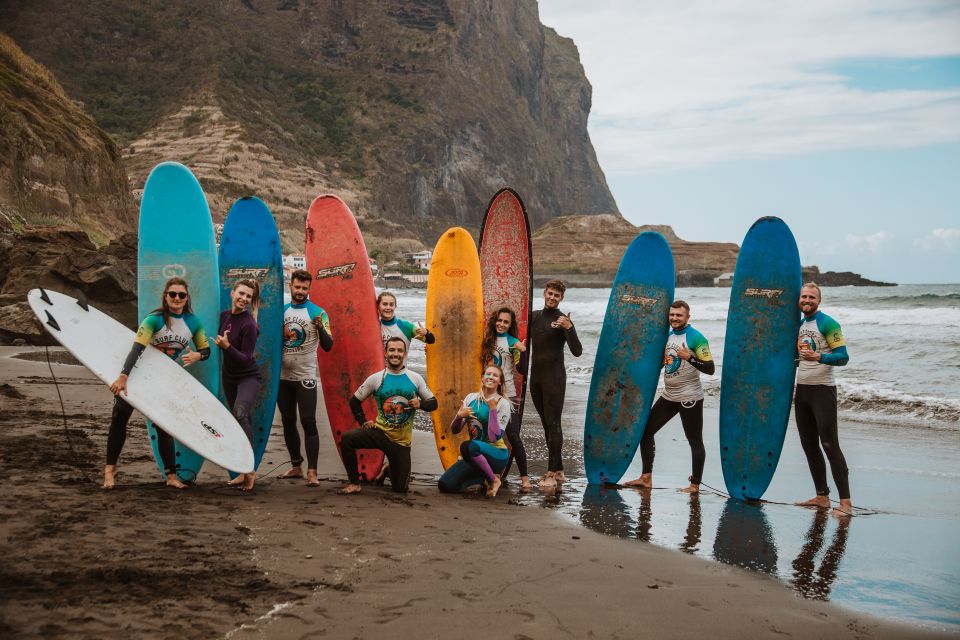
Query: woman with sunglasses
(240, 373)
(169, 328)
(486, 415)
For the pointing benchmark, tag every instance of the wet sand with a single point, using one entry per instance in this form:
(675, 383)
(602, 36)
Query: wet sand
(294, 562)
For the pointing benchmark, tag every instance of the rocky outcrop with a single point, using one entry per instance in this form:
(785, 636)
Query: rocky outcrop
(840, 278)
(57, 166)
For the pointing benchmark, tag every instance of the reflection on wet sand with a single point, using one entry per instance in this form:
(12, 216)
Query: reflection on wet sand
(809, 581)
(744, 538)
(691, 540)
(604, 510)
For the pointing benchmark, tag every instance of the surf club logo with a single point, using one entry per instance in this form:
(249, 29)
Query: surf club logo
(772, 295)
(173, 271)
(807, 340)
(672, 361)
(475, 428)
(396, 409)
(294, 334)
(641, 301)
(210, 430)
(162, 272)
(240, 273)
(345, 271)
(456, 273)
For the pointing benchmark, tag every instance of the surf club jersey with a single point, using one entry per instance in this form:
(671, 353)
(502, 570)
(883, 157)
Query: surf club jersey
(174, 339)
(477, 425)
(823, 335)
(393, 393)
(301, 339)
(681, 380)
(506, 355)
(398, 328)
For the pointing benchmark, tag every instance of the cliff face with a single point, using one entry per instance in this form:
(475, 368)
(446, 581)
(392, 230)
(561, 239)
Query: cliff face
(57, 166)
(415, 111)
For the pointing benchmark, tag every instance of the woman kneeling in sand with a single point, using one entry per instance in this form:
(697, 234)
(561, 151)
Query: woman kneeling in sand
(486, 415)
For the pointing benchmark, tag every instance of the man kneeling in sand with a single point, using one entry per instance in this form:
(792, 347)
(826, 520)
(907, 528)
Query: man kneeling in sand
(399, 393)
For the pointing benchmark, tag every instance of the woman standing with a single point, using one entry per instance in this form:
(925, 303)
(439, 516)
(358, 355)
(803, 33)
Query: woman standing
(393, 327)
(502, 348)
(169, 328)
(484, 456)
(240, 374)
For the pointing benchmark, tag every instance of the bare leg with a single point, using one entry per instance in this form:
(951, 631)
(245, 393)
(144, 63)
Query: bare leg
(645, 481)
(174, 481)
(821, 502)
(109, 476)
(294, 472)
(312, 478)
(349, 489)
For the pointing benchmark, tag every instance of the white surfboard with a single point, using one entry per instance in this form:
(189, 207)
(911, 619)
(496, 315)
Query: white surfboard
(158, 387)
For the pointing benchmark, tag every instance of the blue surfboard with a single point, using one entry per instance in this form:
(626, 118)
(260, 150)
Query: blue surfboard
(176, 238)
(250, 248)
(629, 357)
(759, 351)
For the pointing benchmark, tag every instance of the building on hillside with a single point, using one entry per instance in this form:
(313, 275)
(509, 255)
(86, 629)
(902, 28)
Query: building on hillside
(293, 262)
(419, 259)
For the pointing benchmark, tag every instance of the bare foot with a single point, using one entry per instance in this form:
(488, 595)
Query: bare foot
(248, 480)
(494, 487)
(312, 478)
(384, 470)
(294, 472)
(349, 489)
(174, 481)
(645, 481)
(548, 481)
(693, 488)
(525, 486)
(845, 510)
(236, 482)
(820, 502)
(559, 478)
(109, 476)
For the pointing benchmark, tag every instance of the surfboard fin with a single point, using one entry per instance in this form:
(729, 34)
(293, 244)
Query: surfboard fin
(44, 296)
(51, 321)
(82, 301)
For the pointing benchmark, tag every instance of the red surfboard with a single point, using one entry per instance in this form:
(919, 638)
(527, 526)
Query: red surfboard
(506, 264)
(343, 286)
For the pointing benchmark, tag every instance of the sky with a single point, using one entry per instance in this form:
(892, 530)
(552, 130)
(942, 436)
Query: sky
(841, 117)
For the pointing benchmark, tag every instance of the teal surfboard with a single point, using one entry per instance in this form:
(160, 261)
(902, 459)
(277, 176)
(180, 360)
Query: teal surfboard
(250, 248)
(759, 352)
(629, 357)
(176, 238)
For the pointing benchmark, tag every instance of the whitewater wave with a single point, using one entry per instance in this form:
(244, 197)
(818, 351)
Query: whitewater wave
(879, 399)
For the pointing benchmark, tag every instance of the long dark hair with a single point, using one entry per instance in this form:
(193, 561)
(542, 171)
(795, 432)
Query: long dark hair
(490, 333)
(164, 308)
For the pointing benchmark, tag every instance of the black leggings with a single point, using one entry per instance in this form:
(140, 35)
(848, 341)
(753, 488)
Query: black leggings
(241, 396)
(815, 407)
(397, 455)
(691, 416)
(517, 452)
(548, 395)
(302, 395)
(118, 435)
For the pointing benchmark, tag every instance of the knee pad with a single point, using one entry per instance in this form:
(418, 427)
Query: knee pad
(241, 412)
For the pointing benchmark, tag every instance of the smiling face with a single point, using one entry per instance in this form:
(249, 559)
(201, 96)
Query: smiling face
(176, 295)
(552, 298)
(809, 300)
(241, 296)
(503, 322)
(387, 307)
(678, 317)
(492, 377)
(299, 289)
(394, 353)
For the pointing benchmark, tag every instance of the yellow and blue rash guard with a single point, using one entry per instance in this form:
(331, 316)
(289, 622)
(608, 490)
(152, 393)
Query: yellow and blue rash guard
(822, 334)
(681, 380)
(301, 339)
(174, 339)
(478, 425)
(506, 355)
(393, 393)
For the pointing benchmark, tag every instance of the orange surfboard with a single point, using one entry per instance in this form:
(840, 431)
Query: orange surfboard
(343, 286)
(455, 316)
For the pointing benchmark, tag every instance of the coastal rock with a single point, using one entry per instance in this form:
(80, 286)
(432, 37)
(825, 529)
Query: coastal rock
(840, 278)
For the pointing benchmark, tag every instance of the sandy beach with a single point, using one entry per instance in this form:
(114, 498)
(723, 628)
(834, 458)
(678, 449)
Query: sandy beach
(295, 562)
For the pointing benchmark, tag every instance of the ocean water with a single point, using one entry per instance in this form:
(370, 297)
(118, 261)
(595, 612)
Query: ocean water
(900, 433)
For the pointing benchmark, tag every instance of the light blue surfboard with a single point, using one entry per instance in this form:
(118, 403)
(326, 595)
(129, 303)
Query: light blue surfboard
(629, 357)
(176, 238)
(250, 248)
(759, 352)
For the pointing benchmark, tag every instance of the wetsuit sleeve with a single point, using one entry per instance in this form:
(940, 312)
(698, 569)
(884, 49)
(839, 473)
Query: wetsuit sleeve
(199, 338)
(830, 329)
(523, 362)
(243, 358)
(356, 408)
(132, 358)
(429, 338)
(701, 358)
(573, 341)
(498, 420)
(429, 405)
(838, 358)
(493, 426)
(457, 425)
(367, 388)
(147, 328)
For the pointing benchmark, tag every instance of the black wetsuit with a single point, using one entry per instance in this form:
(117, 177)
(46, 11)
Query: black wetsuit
(548, 377)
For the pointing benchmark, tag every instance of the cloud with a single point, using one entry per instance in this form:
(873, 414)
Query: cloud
(686, 84)
(940, 238)
(870, 243)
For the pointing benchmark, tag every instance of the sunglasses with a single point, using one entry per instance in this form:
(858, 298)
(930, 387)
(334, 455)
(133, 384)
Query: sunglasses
(173, 295)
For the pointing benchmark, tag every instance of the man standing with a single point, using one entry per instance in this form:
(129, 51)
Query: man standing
(305, 325)
(822, 347)
(399, 393)
(549, 331)
(686, 356)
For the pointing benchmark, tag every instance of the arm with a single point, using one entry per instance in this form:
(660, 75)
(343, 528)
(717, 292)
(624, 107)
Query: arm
(135, 351)
(573, 341)
(493, 425)
(429, 405)
(523, 363)
(838, 358)
(707, 367)
(457, 425)
(243, 358)
(428, 337)
(326, 341)
(356, 408)
(322, 322)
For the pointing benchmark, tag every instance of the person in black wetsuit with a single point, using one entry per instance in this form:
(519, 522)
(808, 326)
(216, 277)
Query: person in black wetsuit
(549, 331)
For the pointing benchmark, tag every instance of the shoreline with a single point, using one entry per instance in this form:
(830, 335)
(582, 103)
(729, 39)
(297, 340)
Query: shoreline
(290, 561)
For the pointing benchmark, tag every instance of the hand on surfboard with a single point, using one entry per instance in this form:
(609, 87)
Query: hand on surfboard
(189, 357)
(222, 341)
(119, 385)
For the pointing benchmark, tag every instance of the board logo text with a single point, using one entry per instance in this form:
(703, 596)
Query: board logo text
(343, 270)
(772, 295)
(456, 273)
(173, 271)
(241, 273)
(640, 301)
(211, 430)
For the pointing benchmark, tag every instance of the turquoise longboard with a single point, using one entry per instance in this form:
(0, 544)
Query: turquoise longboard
(250, 248)
(759, 354)
(629, 357)
(176, 239)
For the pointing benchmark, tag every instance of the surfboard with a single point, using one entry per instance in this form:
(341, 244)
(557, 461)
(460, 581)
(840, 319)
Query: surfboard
(176, 238)
(759, 351)
(343, 286)
(455, 316)
(158, 387)
(506, 265)
(250, 248)
(629, 357)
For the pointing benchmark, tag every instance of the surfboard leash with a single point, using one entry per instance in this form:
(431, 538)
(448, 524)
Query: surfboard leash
(63, 414)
